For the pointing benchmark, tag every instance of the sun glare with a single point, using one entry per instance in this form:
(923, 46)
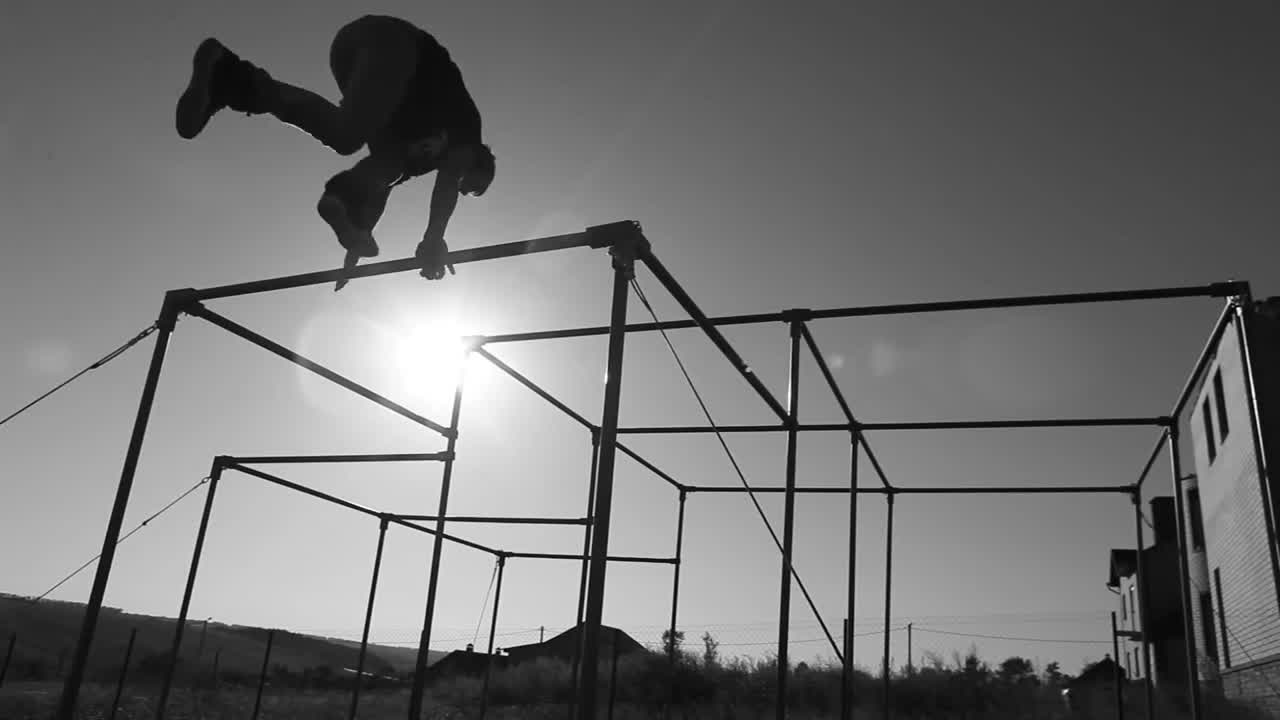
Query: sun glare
(428, 360)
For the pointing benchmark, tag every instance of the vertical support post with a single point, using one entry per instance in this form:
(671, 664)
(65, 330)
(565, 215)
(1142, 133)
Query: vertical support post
(1118, 674)
(1148, 687)
(217, 655)
(166, 684)
(613, 676)
(262, 675)
(624, 256)
(437, 549)
(1243, 313)
(846, 706)
(675, 602)
(586, 559)
(1184, 575)
(368, 618)
(888, 606)
(788, 519)
(124, 674)
(173, 304)
(493, 633)
(909, 668)
(8, 656)
(675, 575)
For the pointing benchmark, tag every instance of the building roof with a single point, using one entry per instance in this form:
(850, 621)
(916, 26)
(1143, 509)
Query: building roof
(565, 644)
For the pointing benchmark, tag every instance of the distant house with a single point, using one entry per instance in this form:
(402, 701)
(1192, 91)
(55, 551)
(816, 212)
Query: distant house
(1232, 507)
(1161, 618)
(1094, 686)
(463, 663)
(564, 645)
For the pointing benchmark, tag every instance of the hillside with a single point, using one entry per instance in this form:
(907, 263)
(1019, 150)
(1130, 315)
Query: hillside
(47, 631)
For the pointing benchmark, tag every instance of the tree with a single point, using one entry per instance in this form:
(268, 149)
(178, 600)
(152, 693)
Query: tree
(1016, 671)
(710, 651)
(671, 643)
(1053, 676)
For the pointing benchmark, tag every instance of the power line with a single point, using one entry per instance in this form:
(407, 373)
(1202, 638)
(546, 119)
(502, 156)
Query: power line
(124, 537)
(99, 363)
(1017, 639)
(733, 461)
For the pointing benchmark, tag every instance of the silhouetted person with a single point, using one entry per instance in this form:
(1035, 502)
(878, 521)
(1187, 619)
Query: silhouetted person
(402, 96)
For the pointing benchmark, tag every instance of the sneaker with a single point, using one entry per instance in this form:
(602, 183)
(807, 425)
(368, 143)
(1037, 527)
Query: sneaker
(201, 98)
(357, 240)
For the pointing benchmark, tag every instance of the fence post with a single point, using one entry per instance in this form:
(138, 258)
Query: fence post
(8, 655)
(124, 673)
(262, 677)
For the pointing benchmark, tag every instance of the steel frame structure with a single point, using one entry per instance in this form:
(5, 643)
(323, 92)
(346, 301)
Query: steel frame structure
(627, 245)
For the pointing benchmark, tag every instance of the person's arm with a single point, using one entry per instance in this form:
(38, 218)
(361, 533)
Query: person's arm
(444, 199)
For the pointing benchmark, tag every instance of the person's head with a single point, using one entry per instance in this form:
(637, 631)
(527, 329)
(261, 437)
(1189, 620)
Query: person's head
(480, 170)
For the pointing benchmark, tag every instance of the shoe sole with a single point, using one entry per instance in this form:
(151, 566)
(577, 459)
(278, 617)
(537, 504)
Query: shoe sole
(195, 107)
(356, 240)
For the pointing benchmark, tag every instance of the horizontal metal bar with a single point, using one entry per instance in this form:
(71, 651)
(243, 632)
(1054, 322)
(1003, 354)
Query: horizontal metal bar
(1224, 289)
(576, 417)
(980, 490)
(499, 520)
(868, 426)
(351, 506)
(274, 347)
(717, 338)
(304, 459)
(612, 558)
(457, 257)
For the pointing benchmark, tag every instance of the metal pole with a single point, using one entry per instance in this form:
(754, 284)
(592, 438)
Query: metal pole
(437, 548)
(909, 671)
(124, 673)
(675, 603)
(8, 655)
(1224, 289)
(1184, 575)
(582, 581)
(613, 676)
(1243, 314)
(1143, 604)
(262, 675)
(846, 712)
(675, 576)
(368, 618)
(623, 272)
(173, 303)
(888, 596)
(1118, 676)
(166, 684)
(493, 633)
(788, 521)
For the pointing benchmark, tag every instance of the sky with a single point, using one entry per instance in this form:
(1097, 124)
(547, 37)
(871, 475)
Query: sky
(821, 154)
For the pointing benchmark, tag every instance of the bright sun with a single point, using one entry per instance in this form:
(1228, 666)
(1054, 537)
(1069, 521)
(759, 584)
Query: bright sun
(429, 359)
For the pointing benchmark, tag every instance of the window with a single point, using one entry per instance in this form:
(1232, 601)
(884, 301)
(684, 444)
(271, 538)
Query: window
(1220, 398)
(1124, 607)
(1208, 431)
(1197, 519)
(1206, 625)
(1222, 620)
(1128, 662)
(1133, 606)
(1137, 662)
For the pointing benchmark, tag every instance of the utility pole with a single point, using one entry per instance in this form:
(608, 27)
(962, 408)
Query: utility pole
(909, 666)
(542, 633)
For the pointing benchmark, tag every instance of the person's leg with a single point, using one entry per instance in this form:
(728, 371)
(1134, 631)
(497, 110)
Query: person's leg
(353, 202)
(373, 60)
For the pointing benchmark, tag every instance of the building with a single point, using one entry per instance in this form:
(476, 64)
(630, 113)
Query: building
(1233, 421)
(563, 646)
(1158, 611)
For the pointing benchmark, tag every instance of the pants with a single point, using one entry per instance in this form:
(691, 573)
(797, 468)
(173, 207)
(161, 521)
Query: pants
(373, 60)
